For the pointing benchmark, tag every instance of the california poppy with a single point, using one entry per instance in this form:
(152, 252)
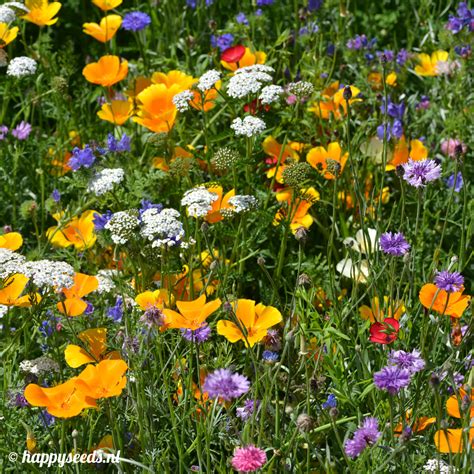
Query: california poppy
(450, 304)
(318, 158)
(192, 314)
(205, 101)
(7, 35)
(95, 341)
(420, 424)
(254, 322)
(117, 112)
(333, 102)
(375, 79)
(73, 304)
(104, 380)
(275, 151)
(107, 71)
(61, 401)
(451, 441)
(247, 59)
(452, 404)
(79, 231)
(105, 30)
(13, 287)
(385, 332)
(106, 5)
(173, 78)
(219, 206)
(11, 241)
(429, 64)
(375, 313)
(41, 12)
(417, 151)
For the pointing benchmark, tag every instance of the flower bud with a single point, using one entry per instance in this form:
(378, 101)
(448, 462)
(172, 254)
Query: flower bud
(347, 94)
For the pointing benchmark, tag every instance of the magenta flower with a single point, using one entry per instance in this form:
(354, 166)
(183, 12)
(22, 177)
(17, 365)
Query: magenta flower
(248, 459)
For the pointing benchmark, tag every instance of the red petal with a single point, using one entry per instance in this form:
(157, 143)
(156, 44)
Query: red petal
(233, 54)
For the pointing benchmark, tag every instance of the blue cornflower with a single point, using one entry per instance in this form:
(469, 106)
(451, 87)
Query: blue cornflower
(222, 42)
(270, 356)
(242, 19)
(331, 402)
(81, 158)
(135, 21)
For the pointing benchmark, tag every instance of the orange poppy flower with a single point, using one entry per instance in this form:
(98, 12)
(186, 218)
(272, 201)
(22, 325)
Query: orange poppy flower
(139, 84)
(297, 208)
(275, 151)
(451, 304)
(61, 401)
(401, 152)
(419, 425)
(12, 288)
(105, 30)
(452, 404)
(174, 78)
(219, 205)
(11, 241)
(317, 158)
(192, 314)
(451, 441)
(7, 35)
(375, 80)
(107, 71)
(79, 231)
(429, 64)
(154, 299)
(104, 380)
(95, 342)
(375, 314)
(333, 101)
(73, 304)
(178, 152)
(156, 110)
(117, 112)
(248, 59)
(106, 5)
(41, 12)
(206, 101)
(255, 320)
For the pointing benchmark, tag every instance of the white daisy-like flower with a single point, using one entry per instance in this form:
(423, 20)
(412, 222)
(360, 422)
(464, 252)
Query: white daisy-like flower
(162, 228)
(50, 274)
(122, 226)
(40, 365)
(7, 15)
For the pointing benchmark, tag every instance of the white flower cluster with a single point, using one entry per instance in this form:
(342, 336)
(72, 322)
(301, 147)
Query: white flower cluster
(50, 274)
(18, 7)
(39, 366)
(300, 89)
(243, 203)
(162, 228)
(198, 201)
(106, 283)
(208, 80)
(104, 180)
(181, 100)
(270, 94)
(3, 310)
(7, 15)
(432, 465)
(10, 263)
(122, 226)
(250, 126)
(248, 80)
(21, 66)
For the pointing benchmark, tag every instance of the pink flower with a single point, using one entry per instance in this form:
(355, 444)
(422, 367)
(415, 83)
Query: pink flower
(448, 147)
(248, 459)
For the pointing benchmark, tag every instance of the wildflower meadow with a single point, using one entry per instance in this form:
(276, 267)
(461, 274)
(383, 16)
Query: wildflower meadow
(236, 236)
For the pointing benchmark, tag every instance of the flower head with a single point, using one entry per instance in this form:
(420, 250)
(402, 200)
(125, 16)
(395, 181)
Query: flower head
(384, 332)
(203, 333)
(107, 71)
(226, 385)
(394, 244)
(105, 30)
(366, 435)
(106, 5)
(7, 35)
(449, 281)
(419, 173)
(22, 130)
(135, 21)
(450, 304)
(392, 379)
(41, 12)
(248, 459)
(410, 361)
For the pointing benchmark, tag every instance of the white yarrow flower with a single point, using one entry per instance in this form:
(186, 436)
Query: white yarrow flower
(270, 94)
(50, 274)
(250, 126)
(181, 100)
(21, 66)
(40, 365)
(7, 15)
(162, 228)
(208, 80)
(198, 201)
(105, 180)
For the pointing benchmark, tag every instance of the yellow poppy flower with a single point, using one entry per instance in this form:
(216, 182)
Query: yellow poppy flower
(317, 157)
(173, 78)
(248, 59)
(106, 5)
(254, 322)
(95, 341)
(333, 102)
(117, 112)
(73, 304)
(219, 205)
(41, 12)
(192, 314)
(107, 71)
(275, 151)
(374, 313)
(12, 288)
(451, 441)
(429, 64)
(154, 299)
(11, 241)
(105, 30)
(7, 35)
(79, 231)
(450, 304)
(206, 101)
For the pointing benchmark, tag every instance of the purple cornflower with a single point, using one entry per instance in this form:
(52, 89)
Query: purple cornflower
(226, 385)
(135, 21)
(242, 19)
(456, 183)
(246, 411)
(269, 356)
(394, 244)
(56, 195)
(464, 50)
(116, 312)
(81, 158)
(101, 219)
(3, 132)
(331, 402)
(385, 56)
(366, 435)
(402, 57)
(392, 379)
(198, 335)
(410, 361)
(418, 173)
(358, 42)
(153, 316)
(222, 42)
(449, 281)
(22, 130)
(118, 146)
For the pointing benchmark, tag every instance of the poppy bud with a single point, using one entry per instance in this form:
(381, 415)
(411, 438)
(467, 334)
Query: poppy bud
(301, 235)
(347, 94)
(333, 412)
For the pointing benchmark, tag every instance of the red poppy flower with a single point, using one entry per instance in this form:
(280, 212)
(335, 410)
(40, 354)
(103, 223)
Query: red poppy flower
(233, 54)
(385, 332)
(256, 106)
